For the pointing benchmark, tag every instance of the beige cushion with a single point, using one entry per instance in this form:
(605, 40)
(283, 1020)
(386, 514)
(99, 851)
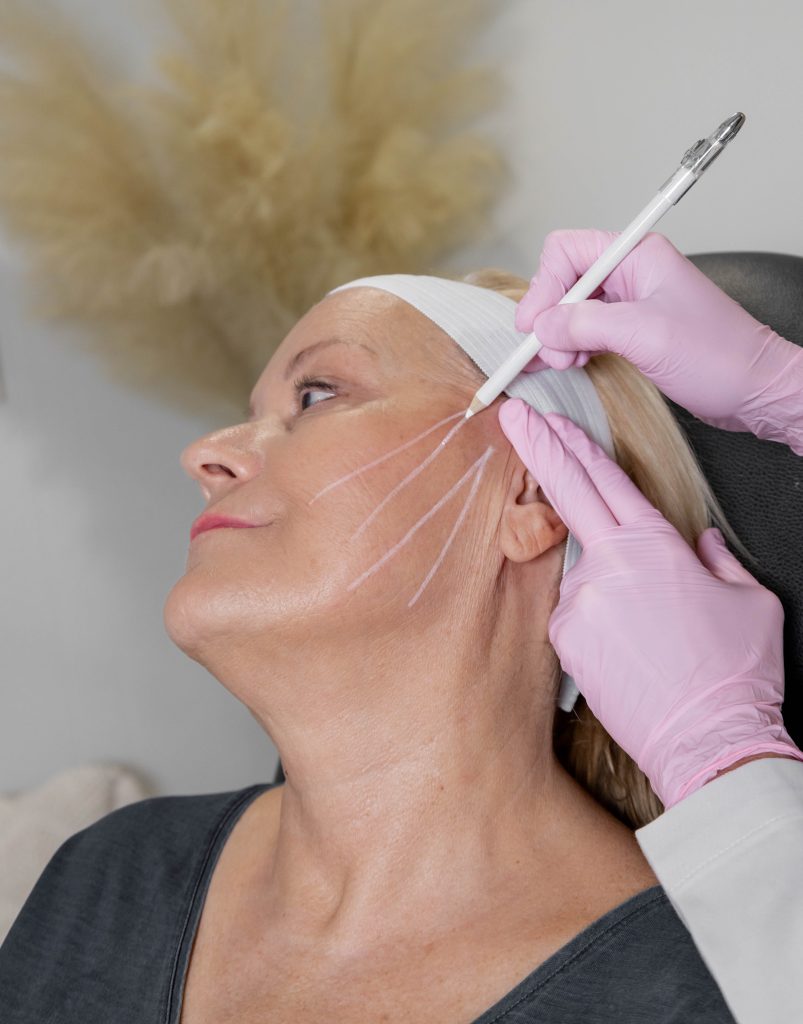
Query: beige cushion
(35, 822)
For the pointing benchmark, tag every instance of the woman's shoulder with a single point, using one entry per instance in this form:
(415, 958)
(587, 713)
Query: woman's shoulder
(640, 961)
(164, 821)
(113, 895)
(149, 838)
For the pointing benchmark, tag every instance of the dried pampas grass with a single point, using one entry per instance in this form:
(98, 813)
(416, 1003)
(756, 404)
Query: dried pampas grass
(291, 147)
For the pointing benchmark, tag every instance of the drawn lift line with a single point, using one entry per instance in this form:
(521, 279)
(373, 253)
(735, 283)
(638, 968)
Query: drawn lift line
(477, 468)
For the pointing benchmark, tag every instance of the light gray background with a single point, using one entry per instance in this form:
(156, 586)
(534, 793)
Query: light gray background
(602, 101)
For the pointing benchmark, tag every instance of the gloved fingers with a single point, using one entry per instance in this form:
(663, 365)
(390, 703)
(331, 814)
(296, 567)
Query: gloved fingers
(536, 364)
(558, 360)
(557, 469)
(587, 327)
(547, 359)
(714, 555)
(546, 289)
(607, 477)
(566, 256)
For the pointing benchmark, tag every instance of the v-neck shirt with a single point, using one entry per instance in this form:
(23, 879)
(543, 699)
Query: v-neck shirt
(107, 932)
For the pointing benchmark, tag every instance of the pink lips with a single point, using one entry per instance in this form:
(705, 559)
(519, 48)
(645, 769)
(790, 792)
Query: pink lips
(212, 522)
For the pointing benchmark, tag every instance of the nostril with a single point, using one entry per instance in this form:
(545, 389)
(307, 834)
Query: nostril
(215, 468)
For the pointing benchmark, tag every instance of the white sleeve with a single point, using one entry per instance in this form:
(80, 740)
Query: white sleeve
(730, 858)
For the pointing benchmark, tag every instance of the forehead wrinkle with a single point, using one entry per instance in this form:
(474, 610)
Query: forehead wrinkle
(424, 347)
(407, 335)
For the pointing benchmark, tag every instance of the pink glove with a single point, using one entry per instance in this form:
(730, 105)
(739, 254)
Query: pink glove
(679, 655)
(658, 311)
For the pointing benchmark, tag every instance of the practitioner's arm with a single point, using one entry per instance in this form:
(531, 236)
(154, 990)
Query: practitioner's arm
(729, 857)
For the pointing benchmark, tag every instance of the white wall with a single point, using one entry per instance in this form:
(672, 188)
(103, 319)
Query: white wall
(94, 507)
(606, 97)
(94, 527)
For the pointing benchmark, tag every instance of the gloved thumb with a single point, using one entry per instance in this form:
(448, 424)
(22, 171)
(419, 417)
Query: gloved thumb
(713, 553)
(591, 325)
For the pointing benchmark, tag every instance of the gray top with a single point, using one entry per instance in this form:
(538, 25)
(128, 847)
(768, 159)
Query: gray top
(106, 933)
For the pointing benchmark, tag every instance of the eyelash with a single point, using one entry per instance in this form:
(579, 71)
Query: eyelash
(304, 383)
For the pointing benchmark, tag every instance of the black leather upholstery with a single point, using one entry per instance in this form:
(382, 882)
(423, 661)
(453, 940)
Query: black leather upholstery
(759, 483)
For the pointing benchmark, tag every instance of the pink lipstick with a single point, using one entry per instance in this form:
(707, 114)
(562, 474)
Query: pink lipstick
(212, 522)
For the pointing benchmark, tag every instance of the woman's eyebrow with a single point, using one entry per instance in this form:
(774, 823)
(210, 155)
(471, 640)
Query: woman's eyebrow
(299, 357)
(305, 353)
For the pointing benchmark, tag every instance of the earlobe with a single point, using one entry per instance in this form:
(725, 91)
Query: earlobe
(530, 526)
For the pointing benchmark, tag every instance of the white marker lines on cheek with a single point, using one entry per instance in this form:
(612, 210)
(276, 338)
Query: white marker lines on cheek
(408, 478)
(428, 515)
(463, 511)
(382, 458)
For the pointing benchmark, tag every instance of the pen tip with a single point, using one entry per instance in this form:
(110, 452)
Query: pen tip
(476, 406)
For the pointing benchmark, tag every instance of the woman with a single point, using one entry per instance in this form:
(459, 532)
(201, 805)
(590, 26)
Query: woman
(430, 856)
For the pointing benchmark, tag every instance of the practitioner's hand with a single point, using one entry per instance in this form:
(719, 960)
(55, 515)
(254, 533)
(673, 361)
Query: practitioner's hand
(658, 311)
(678, 654)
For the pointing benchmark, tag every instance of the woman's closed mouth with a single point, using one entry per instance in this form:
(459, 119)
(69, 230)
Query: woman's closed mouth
(212, 522)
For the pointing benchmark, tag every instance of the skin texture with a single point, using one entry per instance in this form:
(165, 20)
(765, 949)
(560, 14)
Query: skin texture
(422, 792)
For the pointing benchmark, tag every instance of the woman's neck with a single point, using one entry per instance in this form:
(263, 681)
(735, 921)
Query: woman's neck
(473, 815)
(422, 789)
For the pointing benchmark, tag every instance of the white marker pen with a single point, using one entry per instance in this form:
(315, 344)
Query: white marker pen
(694, 162)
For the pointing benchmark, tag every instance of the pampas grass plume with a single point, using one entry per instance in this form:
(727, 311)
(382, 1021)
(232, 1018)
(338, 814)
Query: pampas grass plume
(285, 149)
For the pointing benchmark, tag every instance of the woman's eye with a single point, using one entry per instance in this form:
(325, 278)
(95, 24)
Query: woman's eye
(307, 385)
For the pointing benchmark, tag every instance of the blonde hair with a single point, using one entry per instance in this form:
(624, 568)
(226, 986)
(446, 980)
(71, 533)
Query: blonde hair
(654, 452)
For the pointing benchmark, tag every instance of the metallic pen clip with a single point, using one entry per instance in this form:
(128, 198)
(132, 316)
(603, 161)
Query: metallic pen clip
(702, 154)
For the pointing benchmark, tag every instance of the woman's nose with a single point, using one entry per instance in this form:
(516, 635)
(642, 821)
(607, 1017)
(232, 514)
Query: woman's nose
(218, 460)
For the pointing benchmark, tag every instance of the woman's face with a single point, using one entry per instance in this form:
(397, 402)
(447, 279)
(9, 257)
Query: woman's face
(313, 567)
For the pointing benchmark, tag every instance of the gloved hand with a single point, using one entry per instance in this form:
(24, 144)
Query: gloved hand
(678, 654)
(658, 311)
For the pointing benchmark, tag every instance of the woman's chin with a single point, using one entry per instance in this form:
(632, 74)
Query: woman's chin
(180, 618)
(216, 612)
(199, 612)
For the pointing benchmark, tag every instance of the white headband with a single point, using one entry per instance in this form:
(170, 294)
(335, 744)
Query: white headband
(482, 322)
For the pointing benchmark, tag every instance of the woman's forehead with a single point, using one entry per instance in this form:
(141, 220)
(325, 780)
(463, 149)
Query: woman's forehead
(398, 332)
(401, 342)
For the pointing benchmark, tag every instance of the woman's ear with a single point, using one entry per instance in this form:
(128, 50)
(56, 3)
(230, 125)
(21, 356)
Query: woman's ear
(529, 526)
